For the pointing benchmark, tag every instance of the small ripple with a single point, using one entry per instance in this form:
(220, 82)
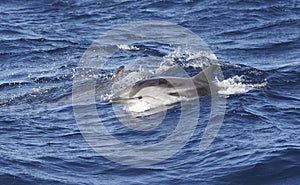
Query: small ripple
(13, 84)
(266, 169)
(7, 178)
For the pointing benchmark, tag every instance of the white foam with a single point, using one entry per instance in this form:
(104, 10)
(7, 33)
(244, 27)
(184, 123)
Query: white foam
(105, 97)
(127, 47)
(187, 59)
(237, 85)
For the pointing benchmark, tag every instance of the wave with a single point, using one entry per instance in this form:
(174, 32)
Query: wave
(265, 172)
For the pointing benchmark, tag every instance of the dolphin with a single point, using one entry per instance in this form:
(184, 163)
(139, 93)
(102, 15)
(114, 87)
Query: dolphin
(152, 93)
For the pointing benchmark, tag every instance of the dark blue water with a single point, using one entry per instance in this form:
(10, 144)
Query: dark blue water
(41, 43)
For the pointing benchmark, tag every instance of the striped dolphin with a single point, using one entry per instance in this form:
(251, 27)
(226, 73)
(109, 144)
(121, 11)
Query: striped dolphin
(155, 92)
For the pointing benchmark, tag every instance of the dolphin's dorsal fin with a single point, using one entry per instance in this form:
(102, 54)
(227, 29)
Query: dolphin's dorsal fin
(118, 72)
(206, 74)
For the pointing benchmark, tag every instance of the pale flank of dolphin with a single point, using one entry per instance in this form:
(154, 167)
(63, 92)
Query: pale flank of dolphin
(153, 93)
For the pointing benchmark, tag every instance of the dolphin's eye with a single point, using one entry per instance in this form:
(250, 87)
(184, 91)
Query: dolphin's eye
(140, 97)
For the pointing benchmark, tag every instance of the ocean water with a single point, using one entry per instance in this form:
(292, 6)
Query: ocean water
(43, 44)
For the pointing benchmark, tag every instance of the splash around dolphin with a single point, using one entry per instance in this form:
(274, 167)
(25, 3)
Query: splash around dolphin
(157, 93)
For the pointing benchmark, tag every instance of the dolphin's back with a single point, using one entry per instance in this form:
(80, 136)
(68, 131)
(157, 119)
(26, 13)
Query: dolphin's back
(157, 82)
(179, 86)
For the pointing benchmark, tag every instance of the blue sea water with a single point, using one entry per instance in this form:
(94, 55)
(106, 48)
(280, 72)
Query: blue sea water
(258, 46)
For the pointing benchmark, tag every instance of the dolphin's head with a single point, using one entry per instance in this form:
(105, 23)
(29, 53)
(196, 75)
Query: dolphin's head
(123, 98)
(135, 104)
(140, 102)
(145, 95)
